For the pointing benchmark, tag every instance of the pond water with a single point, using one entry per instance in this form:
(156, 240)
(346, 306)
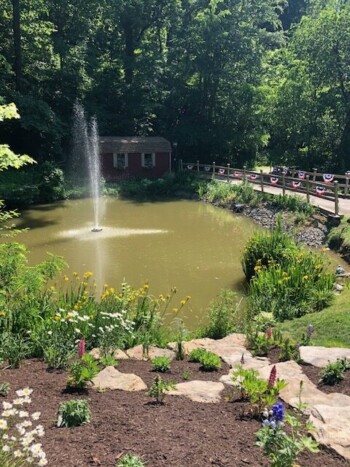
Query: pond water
(191, 245)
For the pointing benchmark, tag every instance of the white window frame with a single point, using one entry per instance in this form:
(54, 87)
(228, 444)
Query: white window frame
(148, 166)
(116, 163)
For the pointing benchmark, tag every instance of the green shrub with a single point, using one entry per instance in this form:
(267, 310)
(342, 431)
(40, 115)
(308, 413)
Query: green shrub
(50, 182)
(292, 203)
(73, 413)
(264, 320)
(334, 372)
(82, 372)
(161, 363)
(289, 351)
(222, 312)
(130, 461)
(196, 355)
(210, 361)
(158, 389)
(14, 349)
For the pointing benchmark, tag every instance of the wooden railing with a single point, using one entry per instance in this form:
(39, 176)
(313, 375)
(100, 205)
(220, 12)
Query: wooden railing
(310, 183)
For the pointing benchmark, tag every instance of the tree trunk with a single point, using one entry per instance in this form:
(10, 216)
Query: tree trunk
(16, 26)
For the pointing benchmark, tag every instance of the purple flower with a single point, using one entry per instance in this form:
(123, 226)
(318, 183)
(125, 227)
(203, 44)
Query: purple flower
(278, 411)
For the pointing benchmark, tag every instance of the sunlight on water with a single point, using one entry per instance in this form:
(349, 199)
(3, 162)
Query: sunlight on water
(86, 234)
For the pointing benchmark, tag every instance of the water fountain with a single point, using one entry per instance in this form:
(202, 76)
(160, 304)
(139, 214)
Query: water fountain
(86, 150)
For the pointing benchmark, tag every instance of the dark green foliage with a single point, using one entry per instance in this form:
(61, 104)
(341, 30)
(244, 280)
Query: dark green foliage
(73, 413)
(334, 372)
(209, 361)
(130, 461)
(222, 314)
(82, 372)
(158, 389)
(161, 363)
(196, 355)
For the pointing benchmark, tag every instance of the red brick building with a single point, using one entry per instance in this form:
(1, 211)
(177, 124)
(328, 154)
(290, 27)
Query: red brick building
(134, 156)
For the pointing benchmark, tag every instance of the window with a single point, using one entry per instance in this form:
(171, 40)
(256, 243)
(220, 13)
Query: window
(120, 160)
(148, 160)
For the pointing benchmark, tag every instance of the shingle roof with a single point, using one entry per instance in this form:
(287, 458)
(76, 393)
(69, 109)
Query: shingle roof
(130, 144)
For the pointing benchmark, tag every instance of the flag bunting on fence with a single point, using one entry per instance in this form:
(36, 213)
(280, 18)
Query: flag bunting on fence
(320, 190)
(253, 176)
(237, 174)
(328, 178)
(189, 166)
(207, 168)
(274, 180)
(301, 175)
(221, 171)
(296, 184)
(347, 174)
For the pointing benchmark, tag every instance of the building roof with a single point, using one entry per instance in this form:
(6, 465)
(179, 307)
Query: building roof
(130, 144)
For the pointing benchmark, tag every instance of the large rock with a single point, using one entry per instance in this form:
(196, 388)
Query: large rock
(136, 353)
(292, 373)
(199, 391)
(332, 427)
(110, 378)
(321, 356)
(224, 348)
(250, 363)
(118, 354)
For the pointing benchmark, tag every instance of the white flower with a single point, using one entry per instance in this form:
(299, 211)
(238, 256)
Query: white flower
(3, 424)
(24, 392)
(77, 330)
(26, 423)
(5, 436)
(42, 461)
(35, 450)
(17, 453)
(40, 431)
(30, 460)
(6, 405)
(6, 448)
(49, 333)
(23, 414)
(27, 400)
(9, 413)
(19, 401)
(27, 439)
(36, 415)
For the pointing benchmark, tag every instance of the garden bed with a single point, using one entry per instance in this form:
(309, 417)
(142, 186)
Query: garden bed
(178, 433)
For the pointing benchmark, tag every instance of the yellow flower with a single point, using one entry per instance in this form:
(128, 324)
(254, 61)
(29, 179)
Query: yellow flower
(146, 287)
(65, 278)
(305, 278)
(188, 297)
(57, 318)
(175, 310)
(75, 274)
(2, 313)
(87, 274)
(183, 302)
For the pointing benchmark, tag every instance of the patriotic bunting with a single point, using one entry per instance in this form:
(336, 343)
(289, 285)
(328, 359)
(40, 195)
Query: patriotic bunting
(296, 184)
(190, 166)
(253, 176)
(274, 180)
(320, 190)
(221, 171)
(207, 168)
(301, 175)
(237, 174)
(328, 178)
(347, 174)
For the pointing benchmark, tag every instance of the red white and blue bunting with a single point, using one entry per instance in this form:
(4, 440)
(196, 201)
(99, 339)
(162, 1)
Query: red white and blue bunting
(237, 174)
(320, 190)
(328, 178)
(253, 176)
(301, 175)
(189, 166)
(347, 174)
(295, 184)
(207, 168)
(221, 171)
(274, 180)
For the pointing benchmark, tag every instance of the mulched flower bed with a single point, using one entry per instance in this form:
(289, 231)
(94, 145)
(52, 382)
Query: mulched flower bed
(314, 374)
(179, 433)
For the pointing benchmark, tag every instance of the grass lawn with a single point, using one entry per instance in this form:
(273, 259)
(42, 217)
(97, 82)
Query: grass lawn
(332, 325)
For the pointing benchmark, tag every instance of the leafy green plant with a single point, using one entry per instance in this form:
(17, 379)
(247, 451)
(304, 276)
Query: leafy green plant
(196, 354)
(257, 342)
(222, 314)
(210, 361)
(82, 372)
(130, 461)
(186, 375)
(289, 351)
(158, 389)
(161, 363)
(334, 372)
(260, 393)
(282, 447)
(73, 413)
(15, 348)
(108, 360)
(4, 388)
(264, 320)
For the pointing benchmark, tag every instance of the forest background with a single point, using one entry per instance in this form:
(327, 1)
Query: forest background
(231, 81)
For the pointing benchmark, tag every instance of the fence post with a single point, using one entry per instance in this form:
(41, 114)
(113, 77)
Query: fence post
(314, 175)
(197, 166)
(346, 189)
(244, 173)
(293, 172)
(307, 188)
(336, 199)
(262, 180)
(213, 176)
(181, 167)
(228, 173)
(283, 184)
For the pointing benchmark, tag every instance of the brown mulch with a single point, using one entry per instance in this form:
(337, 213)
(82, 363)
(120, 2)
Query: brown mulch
(314, 374)
(179, 433)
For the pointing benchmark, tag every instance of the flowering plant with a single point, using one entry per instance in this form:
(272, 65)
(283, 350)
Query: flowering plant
(18, 436)
(283, 448)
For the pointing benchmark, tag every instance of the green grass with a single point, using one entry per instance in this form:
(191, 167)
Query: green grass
(332, 325)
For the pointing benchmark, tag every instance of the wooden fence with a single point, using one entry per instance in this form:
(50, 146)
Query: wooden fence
(327, 186)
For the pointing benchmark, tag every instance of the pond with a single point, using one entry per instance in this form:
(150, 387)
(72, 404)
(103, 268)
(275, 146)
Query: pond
(187, 244)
